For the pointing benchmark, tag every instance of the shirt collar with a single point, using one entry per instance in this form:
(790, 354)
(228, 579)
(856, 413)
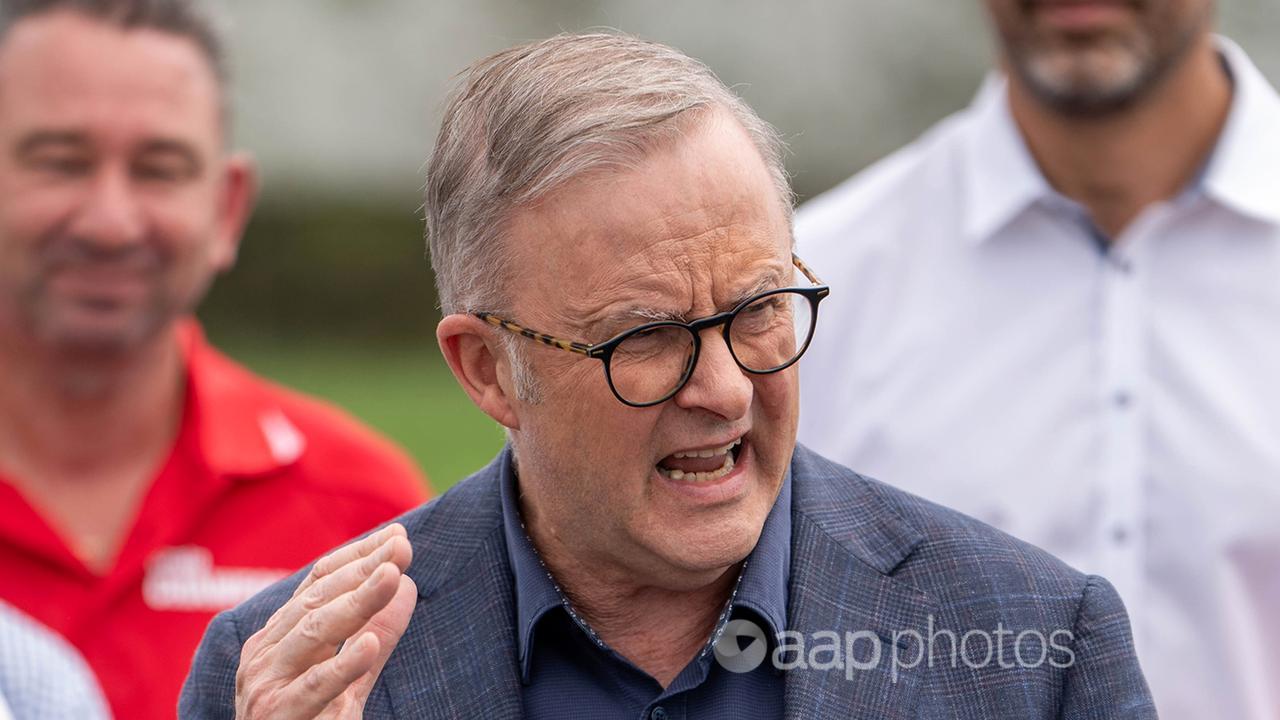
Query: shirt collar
(1244, 171)
(762, 587)
(1002, 179)
(242, 430)
(536, 593)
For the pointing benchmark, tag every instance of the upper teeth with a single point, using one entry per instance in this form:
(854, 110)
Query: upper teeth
(707, 453)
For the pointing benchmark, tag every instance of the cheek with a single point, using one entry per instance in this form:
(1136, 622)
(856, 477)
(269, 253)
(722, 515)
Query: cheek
(579, 408)
(1180, 20)
(26, 218)
(779, 398)
(777, 418)
(29, 213)
(588, 451)
(185, 226)
(184, 216)
(1005, 15)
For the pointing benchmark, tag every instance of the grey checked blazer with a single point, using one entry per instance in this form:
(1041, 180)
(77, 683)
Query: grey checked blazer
(865, 557)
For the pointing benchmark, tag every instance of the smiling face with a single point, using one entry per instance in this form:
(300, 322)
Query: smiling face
(1086, 57)
(117, 203)
(689, 232)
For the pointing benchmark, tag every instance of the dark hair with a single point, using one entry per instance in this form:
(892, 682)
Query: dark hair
(189, 19)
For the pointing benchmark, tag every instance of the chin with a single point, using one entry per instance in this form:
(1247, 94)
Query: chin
(712, 552)
(95, 337)
(1085, 86)
(1102, 76)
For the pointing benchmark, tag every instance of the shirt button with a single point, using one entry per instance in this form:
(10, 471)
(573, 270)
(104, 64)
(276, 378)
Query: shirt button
(1122, 399)
(1119, 534)
(1123, 265)
(659, 713)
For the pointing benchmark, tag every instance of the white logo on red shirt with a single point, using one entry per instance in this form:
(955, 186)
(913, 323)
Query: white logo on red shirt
(184, 579)
(285, 441)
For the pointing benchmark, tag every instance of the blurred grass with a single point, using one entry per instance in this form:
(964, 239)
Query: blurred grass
(405, 392)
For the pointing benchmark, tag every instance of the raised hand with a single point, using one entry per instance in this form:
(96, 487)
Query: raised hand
(320, 654)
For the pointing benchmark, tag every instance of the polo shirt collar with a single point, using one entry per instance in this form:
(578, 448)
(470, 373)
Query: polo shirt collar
(762, 587)
(1245, 169)
(242, 430)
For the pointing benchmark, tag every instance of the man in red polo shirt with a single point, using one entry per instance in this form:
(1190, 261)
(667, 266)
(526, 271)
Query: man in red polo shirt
(146, 482)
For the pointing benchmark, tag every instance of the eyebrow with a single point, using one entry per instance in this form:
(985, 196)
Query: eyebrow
(770, 281)
(646, 314)
(184, 150)
(73, 140)
(41, 138)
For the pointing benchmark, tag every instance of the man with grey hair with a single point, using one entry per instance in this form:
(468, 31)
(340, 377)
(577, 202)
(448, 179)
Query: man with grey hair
(652, 543)
(1062, 315)
(147, 482)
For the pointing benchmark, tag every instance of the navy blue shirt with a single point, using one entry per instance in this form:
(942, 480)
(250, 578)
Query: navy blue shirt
(568, 672)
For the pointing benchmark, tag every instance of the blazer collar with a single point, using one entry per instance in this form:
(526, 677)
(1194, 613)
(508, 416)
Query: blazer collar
(458, 657)
(847, 543)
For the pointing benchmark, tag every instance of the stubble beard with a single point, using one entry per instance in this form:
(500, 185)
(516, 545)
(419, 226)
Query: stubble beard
(1098, 78)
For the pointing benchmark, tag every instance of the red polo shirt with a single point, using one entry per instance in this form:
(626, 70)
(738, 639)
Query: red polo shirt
(260, 481)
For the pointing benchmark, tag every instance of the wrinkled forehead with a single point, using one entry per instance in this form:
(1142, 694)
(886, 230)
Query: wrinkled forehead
(686, 230)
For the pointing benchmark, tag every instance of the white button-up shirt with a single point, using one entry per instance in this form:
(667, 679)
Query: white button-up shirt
(1118, 406)
(42, 677)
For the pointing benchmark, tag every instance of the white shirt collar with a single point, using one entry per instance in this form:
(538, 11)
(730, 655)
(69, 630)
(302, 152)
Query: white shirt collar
(1001, 178)
(1244, 172)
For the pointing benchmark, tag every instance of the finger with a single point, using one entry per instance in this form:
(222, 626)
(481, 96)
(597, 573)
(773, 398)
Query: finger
(346, 554)
(314, 690)
(396, 550)
(318, 634)
(388, 625)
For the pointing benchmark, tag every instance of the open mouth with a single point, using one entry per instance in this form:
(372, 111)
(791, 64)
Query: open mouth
(701, 465)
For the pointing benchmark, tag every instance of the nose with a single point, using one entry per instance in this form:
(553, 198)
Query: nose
(717, 385)
(110, 215)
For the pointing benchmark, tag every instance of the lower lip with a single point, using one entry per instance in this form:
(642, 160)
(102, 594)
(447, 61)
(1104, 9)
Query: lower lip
(720, 490)
(1083, 16)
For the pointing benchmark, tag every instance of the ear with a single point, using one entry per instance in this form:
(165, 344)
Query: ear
(237, 194)
(469, 347)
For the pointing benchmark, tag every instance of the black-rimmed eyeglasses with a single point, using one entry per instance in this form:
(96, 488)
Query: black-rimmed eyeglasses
(648, 364)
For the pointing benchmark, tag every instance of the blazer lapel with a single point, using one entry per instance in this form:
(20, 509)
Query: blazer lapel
(459, 654)
(846, 544)
(458, 657)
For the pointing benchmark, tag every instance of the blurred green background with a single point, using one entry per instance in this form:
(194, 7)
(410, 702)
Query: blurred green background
(339, 100)
(335, 299)
(403, 390)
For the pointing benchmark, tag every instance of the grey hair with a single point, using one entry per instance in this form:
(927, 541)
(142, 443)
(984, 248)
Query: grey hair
(524, 121)
(190, 19)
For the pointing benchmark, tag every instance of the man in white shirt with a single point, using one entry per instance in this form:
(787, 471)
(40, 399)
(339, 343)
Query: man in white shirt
(1059, 311)
(41, 675)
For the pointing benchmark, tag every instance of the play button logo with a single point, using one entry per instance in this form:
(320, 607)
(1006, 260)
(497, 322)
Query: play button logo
(741, 647)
